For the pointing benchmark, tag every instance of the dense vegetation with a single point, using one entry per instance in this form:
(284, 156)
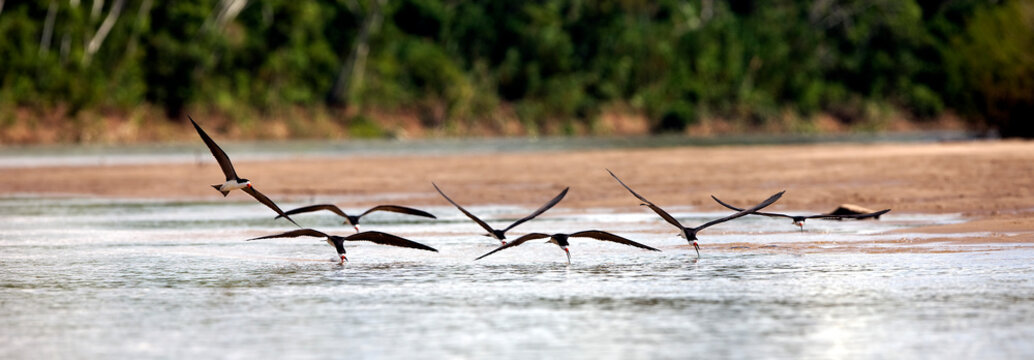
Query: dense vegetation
(457, 63)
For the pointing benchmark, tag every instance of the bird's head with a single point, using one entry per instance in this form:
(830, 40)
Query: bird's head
(497, 234)
(799, 221)
(342, 255)
(352, 220)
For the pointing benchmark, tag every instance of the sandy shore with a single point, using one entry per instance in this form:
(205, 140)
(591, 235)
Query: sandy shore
(991, 183)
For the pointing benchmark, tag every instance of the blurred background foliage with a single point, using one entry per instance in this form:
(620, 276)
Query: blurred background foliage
(553, 66)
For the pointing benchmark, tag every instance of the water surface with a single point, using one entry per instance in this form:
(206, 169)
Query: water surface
(102, 278)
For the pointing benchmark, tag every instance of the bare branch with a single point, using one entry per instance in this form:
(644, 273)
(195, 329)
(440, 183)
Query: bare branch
(227, 10)
(48, 28)
(102, 32)
(98, 5)
(350, 77)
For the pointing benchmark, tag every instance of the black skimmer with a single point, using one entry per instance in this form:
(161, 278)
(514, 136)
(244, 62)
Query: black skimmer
(501, 234)
(234, 182)
(852, 209)
(338, 242)
(561, 241)
(354, 219)
(690, 234)
(799, 219)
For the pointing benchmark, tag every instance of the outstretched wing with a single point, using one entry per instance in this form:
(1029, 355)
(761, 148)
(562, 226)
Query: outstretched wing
(311, 208)
(758, 213)
(516, 242)
(294, 233)
(220, 155)
(378, 237)
(606, 236)
(663, 214)
(398, 209)
(541, 210)
(855, 216)
(752, 209)
(464, 211)
(265, 201)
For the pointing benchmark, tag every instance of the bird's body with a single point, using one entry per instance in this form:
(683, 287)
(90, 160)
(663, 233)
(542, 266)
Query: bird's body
(498, 234)
(234, 182)
(353, 220)
(799, 219)
(690, 233)
(338, 242)
(561, 241)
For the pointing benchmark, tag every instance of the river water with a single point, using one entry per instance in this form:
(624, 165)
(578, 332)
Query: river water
(104, 278)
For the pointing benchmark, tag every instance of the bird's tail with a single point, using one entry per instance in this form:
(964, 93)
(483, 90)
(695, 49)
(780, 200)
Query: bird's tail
(218, 187)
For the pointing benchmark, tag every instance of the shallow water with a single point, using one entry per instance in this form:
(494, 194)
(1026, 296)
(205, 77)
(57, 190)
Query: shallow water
(87, 155)
(100, 278)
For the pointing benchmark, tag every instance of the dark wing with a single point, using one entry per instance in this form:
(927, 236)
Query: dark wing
(664, 214)
(265, 201)
(388, 239)
(294, 233)
(398, 209)
(311, 208)
(628, 188)
(758, 213)
(757, 207)
(516, 242)
(606, 236)
(464, 211)
(541, 210)
(220, 155)
(856, 216)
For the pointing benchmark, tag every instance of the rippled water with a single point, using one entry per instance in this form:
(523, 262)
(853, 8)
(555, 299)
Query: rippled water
(101, 278)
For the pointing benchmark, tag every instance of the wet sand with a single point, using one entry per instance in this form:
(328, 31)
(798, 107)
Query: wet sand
(989, 183)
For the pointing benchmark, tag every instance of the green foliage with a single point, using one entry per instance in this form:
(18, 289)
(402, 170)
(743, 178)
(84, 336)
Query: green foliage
(555, 63)
(1002, 76)
(363, 127)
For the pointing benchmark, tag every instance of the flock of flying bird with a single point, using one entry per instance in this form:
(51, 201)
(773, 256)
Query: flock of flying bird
(234, 182)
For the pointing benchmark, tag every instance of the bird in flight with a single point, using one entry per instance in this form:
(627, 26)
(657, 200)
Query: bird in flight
(690, 233)
(234, 182)
(354, 219)
(799, 219)
(501, 234)
(338, 242)
(561, 241)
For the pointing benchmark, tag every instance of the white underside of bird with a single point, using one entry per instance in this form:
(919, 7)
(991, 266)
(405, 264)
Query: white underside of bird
(233, 185)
